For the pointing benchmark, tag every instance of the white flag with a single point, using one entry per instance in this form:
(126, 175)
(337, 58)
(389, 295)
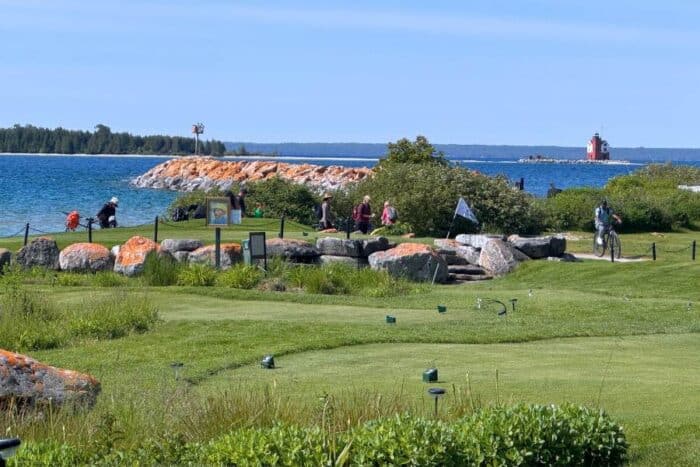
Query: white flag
(464, 211)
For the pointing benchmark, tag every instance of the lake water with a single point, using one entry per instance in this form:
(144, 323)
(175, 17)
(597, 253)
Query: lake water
(39, 189)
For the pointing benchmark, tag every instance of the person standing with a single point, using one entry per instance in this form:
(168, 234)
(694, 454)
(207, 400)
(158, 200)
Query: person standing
(389, 214)
(364, 215)
(327, 217)
(238, 201)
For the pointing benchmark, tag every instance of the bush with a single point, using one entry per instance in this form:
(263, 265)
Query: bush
(160, 269)
(240, 276)
(426, 196)
(518, 435)
(282, 197)
(648, 199)
(197, 275)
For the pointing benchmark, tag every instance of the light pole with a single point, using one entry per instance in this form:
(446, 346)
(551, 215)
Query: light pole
(197, 129)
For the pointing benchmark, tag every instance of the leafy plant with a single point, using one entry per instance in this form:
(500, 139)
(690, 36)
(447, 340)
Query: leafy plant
(160, 269)
(240, 276)
(197, 275)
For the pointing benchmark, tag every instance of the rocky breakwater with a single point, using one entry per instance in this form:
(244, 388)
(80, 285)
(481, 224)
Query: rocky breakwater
(204, 173)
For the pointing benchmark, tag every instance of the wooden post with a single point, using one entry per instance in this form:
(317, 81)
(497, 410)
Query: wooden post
(89, 221)
(653, 251)
(693, 250)
(217, 248)
(155, 230)
(281, 235)
(26, 233)
(612, 250)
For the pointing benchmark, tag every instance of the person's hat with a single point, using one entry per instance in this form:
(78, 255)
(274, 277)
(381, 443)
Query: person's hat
(114, 200)
(327, 195)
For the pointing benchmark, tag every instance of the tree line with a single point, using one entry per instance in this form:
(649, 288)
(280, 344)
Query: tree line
(31, 139)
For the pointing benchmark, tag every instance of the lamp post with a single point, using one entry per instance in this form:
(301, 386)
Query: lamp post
(436, 393)
(197, 129)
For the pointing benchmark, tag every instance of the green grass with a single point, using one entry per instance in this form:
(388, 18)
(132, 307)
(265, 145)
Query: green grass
(620, 336)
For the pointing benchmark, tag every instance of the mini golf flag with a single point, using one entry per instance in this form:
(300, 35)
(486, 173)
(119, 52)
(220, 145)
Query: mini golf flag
(464, 211)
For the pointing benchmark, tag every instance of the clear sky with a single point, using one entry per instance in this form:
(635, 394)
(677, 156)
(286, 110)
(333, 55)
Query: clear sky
(471, 72)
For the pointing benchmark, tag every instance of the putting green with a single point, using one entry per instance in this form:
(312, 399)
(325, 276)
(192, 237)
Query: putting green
(641, 377)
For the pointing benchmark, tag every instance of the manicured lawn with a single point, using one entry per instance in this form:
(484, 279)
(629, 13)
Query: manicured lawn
(619, 336)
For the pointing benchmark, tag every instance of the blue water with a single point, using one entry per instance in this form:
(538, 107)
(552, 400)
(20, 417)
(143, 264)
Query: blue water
(39, 189)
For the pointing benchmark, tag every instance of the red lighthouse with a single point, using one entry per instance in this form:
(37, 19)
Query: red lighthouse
(597, 149)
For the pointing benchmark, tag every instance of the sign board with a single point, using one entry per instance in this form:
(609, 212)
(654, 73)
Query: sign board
(218, 212)
(258, 249)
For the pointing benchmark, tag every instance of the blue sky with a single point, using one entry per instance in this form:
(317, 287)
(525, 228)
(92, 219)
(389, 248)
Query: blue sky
(469, 72)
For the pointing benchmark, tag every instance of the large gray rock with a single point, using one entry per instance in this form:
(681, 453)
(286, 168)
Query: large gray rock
(374, 244)
(446, 245)
(181, 256)
(539, 247)
(469, 253)
(229, 254)
(85, 257)
(41, 251)
(413, 261)
(339, 247)
(350, 261)
(298, 251)
(497, 257)
(477, 240)
(5, 258)
(27, 382)
(176, 244)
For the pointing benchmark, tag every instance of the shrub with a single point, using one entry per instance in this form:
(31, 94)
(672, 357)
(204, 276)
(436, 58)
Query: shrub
(71, 279)
(518, 435)
(160, 269)
(426, 196)
(572, 209)
(240, 276)
(283, 197)
(197, 275)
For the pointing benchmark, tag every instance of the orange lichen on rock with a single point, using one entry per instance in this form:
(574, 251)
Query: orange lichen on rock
(135, 250)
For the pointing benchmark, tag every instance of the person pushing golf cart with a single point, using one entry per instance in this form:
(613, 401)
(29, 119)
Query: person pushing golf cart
(108, 214)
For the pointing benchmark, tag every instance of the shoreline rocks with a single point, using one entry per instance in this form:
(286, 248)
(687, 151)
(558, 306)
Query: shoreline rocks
(203, 173)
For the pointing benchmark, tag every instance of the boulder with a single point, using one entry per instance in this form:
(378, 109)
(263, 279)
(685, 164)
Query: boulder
(477, 240)
(5, 258)
(564, 258)
(89, 257)
(469, 253)
(374, 244)
(413, 261)
(27, 382)
(445, 245)
(181, 256)
(498, 257)
(339, 247)
(539, 247)
(332, 259)
(133, 254)
(175, 244)
(114, 251)
(41, 251)
(299, 251)
(230, 254)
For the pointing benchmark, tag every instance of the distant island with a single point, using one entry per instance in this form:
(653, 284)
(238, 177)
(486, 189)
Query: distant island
(30, 139)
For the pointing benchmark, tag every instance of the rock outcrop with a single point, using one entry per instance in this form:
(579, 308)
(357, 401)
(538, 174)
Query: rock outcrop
(413, 261)
(132, 255)
(498, 257)
(539, 247)
(229, 254)
(298, 251)
(27, 382)
(85, 257)
(203, 173)
(173, 245)
(41, 251)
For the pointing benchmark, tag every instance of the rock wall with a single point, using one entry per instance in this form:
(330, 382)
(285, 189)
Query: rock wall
(203, 173)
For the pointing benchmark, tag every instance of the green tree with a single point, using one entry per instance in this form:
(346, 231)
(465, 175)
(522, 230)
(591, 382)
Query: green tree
(419, 151)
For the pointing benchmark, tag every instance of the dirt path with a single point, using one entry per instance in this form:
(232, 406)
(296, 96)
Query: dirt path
(632, 259)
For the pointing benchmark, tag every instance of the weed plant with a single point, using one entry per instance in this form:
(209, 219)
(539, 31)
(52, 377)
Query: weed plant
(160, 269)
(240, 276)
(197, 275)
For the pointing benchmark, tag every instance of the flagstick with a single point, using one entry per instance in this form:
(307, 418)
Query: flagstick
(450, 228)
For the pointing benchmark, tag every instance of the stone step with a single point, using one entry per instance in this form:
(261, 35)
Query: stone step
(468, 277)
(455, 260)
(465, 269)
